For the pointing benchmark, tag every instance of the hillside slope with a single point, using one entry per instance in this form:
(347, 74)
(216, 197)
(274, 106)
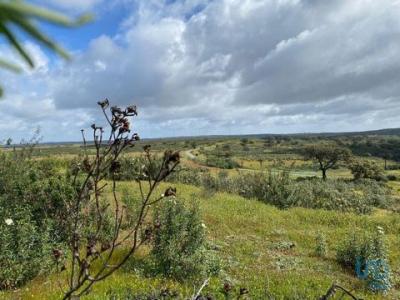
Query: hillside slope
(268, 251)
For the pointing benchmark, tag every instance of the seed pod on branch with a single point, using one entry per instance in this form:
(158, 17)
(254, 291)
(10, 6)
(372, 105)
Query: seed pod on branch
(170, 192)
(131, 110)
(104, 104)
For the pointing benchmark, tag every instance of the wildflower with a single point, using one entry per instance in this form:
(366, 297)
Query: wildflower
(380, 230)
(172, 200)
(9, 222)
(203, 225)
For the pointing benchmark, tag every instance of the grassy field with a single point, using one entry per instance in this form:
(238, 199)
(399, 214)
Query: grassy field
(269, 251)
(250, 237)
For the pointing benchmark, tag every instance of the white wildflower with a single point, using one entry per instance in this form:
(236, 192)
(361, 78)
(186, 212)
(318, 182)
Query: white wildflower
(9, 221)
(380, 230)
(203, 225)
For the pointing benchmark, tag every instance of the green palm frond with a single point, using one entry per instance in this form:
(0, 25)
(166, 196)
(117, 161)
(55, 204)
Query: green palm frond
(19, 14)
(23, 9)
(17, 45)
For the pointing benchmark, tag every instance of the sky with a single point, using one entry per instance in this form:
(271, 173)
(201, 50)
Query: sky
(201, 67)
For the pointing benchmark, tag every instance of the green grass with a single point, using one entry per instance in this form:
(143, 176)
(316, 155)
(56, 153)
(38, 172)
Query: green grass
(248, 235)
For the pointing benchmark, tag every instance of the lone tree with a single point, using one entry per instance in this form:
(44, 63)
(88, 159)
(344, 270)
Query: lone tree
(327, 156)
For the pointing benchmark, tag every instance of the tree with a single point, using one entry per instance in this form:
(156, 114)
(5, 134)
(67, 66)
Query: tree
(244, 141)
(386, 156)
(366, 169)
(20, 16)
(327, 156)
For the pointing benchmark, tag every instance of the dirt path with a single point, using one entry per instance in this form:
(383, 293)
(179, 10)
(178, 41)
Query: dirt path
(190, 155)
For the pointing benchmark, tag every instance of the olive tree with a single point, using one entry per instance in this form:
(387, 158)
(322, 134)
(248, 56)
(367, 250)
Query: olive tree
(327, 156)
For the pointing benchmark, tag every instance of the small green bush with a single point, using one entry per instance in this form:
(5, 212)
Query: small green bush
(179, 245)
(272, 188)
(25, 248)
(391, 177)
(321, 247)
(221, 162)
(188, 176)
(366, 169)
(36, 202)
(369, 251)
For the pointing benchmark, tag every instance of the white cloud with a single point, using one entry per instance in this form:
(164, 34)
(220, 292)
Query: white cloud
(230, 66)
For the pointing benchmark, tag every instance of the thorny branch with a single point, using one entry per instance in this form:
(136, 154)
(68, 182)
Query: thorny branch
(89, 179)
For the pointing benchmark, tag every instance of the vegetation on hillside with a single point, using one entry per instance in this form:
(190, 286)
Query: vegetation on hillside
(269, 228)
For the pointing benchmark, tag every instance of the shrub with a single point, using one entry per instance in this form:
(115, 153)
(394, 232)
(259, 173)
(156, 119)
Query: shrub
(321, 247)
(391, 177)
(221, 162)
(366, 169)
(51, 166)
(188, 176)
(393, 167)
(272, 188)
(179, 249)
(367, 255)
(277, 188)
(36, 204)
(133, 168)
(24, 248)
(130, 169)
(359, 197)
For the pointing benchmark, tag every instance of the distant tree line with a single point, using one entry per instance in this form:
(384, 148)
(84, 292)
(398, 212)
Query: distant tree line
(388, 149)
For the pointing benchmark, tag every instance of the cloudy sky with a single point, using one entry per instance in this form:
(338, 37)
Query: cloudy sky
(197, 67)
